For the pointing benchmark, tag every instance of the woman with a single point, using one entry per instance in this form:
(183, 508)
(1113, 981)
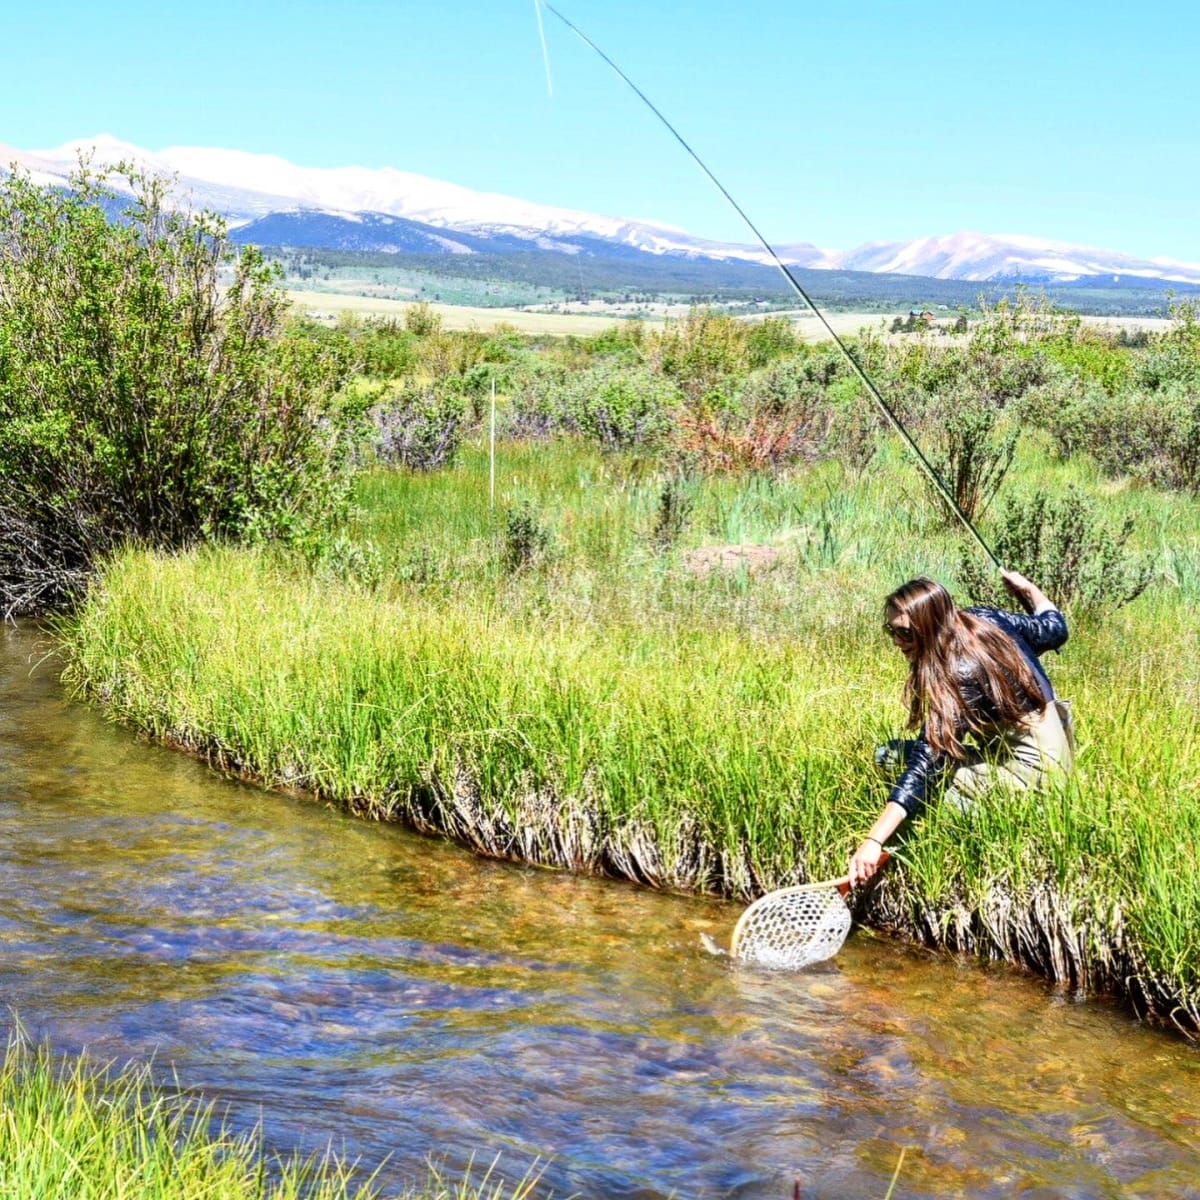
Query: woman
(972, 671)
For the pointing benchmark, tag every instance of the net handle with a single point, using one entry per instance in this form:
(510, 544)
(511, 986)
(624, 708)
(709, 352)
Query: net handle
(841, 884)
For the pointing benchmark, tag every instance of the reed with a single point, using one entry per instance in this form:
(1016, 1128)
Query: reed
(74, 1129)
(610, 710)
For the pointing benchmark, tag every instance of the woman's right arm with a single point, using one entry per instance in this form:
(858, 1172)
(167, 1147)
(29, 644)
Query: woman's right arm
(1045, 628)
(1032, 598)
(923, 774)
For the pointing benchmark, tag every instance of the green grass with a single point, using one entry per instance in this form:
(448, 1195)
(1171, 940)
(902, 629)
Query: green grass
(606, 709)
(73, 1129)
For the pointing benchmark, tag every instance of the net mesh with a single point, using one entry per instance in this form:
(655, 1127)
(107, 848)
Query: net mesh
(792, 928)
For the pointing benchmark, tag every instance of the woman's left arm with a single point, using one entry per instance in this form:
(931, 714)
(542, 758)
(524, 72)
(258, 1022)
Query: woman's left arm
(864, 862)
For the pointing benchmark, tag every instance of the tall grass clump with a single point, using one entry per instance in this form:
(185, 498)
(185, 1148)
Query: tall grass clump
(605, 748)
(72, 1128)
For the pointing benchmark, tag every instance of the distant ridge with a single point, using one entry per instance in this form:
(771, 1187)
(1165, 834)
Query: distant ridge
(271, 201)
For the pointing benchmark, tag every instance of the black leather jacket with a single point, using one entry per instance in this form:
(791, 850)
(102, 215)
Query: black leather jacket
(924, 769)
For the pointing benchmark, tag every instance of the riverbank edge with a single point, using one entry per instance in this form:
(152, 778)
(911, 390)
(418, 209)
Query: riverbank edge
(1026, 913)
(1051, 939)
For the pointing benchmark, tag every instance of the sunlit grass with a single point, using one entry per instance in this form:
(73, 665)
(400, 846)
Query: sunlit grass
(71, 1129)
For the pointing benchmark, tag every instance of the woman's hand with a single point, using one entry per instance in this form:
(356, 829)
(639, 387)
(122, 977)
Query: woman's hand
(864, 862)
(1031, 597)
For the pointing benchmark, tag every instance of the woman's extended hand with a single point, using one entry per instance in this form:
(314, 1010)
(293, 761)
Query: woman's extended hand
(1032, 598)
(864, 862)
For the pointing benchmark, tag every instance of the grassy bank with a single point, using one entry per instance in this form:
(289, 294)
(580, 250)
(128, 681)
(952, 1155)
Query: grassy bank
(564, 688)
(71, 1129)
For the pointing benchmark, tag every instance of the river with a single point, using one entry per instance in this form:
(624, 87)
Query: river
(353, 984)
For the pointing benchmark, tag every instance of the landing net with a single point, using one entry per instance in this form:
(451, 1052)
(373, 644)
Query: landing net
(793, 927)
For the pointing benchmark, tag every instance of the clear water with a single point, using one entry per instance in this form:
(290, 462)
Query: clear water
(347, 983)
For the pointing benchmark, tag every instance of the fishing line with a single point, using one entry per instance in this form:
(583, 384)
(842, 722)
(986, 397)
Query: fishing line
(537, 8)
(863, 377)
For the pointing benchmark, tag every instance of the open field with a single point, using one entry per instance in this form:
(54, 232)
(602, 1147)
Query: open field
(327, 306)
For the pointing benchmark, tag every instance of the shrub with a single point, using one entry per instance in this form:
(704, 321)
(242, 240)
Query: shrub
(790, 384)
(854, 435)
(621, 408)
(448, 352)
(421, 320)
(386, 350)
(537, 404)
(700, 352)
(1065, 548)
(139, 401)
(1062, 408)
(419, 427)
(675, 506)
(1173, 357)
(971, 450)
(782, 415)
(350, 561)
(527, 541)
(624, 341)
(1151, 436)
(768, 340)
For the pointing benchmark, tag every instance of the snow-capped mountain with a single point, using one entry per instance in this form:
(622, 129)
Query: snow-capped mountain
(978, 256)
(267, 199)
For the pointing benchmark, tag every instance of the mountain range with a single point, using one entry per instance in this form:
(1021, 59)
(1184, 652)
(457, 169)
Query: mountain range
(270, 201)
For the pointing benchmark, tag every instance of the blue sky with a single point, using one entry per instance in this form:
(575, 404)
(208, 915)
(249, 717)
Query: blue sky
(833, 123)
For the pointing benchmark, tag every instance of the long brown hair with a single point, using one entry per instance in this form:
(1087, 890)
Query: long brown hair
(951, 646)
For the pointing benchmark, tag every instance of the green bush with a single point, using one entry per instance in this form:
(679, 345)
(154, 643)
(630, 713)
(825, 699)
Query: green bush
(477, 383)
(527, 540)
(387, 350)
(618, 406)
(857, 422)
(971, 448)
(141, 402)
(1173, 357)
(785, 385)
(1063, 544)
(621, 408)
(625, 341)
(701, 352)
(536, 408)
(1150, 436)
(769, 339)
(419, 427)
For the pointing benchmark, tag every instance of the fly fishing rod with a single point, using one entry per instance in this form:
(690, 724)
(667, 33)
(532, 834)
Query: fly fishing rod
(888, 412)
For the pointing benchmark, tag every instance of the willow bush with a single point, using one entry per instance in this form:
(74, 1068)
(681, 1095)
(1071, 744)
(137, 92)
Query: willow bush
(1065, 544)
(145, 398)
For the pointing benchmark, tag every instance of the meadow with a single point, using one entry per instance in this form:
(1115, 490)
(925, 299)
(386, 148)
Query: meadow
(560, 657)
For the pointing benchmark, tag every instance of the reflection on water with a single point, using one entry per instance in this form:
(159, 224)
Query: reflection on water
(350, 983)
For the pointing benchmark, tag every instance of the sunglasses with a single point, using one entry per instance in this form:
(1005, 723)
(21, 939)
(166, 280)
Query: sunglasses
(902, 633)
